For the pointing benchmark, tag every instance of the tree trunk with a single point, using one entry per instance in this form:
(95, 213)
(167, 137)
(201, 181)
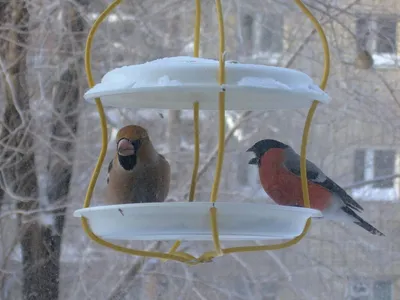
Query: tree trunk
(18, 170)
(40, 244)
(66, 100)
(64, 127)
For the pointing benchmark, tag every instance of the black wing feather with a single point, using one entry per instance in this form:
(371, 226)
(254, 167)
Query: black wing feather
(110, 165)
(315, 175)
(347, 199)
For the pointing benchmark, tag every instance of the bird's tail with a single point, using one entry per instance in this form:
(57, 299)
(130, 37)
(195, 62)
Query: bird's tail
(361, 222)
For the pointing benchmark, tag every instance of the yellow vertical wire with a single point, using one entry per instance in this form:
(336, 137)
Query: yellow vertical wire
(303, 170)
(307, 125)
(196, 138)
(221, 104)
(196, 129)
(221, 135)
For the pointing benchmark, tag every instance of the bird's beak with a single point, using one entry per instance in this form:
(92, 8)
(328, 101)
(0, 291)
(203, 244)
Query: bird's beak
(254, 161)
(251, 149)
(125, 147)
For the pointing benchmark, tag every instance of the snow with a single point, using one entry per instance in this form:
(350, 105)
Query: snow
(309, 88)
(385, 60)
(262, 82)
(189, 47)
(46, 219)
(193, 76)
(114, 115)
(166, 81)
(181, 59)
(116, 79)
(113, 18)
(271, 58)
(230, 122)
(130, 76)
(118, 45)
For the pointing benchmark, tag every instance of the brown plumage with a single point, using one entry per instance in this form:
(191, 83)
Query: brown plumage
(364, 60)
(138, 173)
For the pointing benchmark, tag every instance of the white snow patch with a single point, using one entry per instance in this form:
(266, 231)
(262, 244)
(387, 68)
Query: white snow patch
(114, 116)
(118, 45)
(181, 59)
(315, 89)
(112, 18)
(17, 254)
(115, 79)
(271, 57)
(188, 48)
(230, 122)
(166, 81)
(262, 82)
(46, 219)
(113, 135)
(189, 146)
(385, 60)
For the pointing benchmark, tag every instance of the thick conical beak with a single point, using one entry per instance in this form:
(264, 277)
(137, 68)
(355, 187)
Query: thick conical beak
(254, 161)
(125, 147)
(251, 149)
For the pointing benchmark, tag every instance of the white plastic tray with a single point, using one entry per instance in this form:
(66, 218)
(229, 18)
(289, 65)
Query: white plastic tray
(176, 82)
(191, 221)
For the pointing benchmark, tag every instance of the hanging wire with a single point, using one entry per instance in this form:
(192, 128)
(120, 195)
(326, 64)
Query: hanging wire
(196, 127)
(178, 256)
(303, 170)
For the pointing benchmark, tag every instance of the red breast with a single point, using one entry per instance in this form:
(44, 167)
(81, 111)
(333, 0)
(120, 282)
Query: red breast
(284, 187)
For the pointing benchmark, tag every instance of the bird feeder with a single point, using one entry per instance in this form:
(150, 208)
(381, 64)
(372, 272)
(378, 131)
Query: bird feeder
(190, 83)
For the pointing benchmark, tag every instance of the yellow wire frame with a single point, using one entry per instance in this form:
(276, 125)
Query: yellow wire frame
(208, 256)
(177, 256)
(307, 125)
(182, 257)
(196, 129)
(221, 133)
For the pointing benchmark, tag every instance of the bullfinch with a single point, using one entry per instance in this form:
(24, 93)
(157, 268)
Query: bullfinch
(279, 171)
(138, 173)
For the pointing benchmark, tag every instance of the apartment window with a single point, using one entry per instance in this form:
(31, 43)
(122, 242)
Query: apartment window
(368, 289)
(377, 34)
(386, 35)
(362, 33)
(372, 164)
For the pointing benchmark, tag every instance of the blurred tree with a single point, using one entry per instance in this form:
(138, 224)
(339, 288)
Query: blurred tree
(40, 243)
(18, 173)
(67, 93)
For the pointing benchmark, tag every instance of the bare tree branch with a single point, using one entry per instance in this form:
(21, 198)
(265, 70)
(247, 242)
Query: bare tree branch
(368, 182)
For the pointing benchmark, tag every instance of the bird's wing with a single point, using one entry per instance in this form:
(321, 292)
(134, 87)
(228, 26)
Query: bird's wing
(164, 178)
(110, 165)
(292, 163)
(315, 175)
